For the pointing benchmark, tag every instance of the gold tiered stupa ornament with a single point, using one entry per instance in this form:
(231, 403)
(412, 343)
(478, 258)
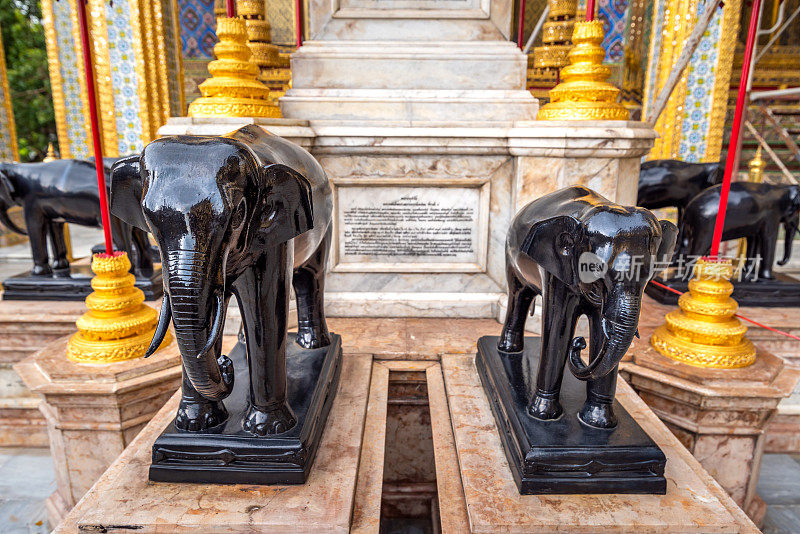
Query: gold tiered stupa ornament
(584, 93)
(704, 332)
(546, 60)
(118, 325)
(233, 89)
(274, 66)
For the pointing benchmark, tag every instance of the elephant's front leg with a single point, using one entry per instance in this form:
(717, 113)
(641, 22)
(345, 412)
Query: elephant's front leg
(309, 290)
(195, 412)
(598, 410)
(768, 241)
(558, 326)
(263, 292)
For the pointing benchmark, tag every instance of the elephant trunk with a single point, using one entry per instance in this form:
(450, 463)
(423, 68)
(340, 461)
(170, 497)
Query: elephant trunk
(198, 316)
(6, 220)
(619, 324)
(790, 227)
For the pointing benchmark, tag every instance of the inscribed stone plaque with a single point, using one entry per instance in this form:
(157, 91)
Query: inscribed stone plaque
(402, 229)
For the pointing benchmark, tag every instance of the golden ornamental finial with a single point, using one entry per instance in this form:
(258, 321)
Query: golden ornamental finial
(233, 89)
(704, 332)
(118, 325)
(757, 166)
(584, 93)
(51, 153)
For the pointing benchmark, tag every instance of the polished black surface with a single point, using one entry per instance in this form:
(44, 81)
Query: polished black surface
(76, 286)
(780, 291)
(246, 214)
(755, 212)
(228, 454)
(58, 192)
(564, 455)
(586, 256)
(665, 183)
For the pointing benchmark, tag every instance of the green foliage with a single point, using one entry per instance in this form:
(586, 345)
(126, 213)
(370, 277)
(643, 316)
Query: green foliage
(26, 63)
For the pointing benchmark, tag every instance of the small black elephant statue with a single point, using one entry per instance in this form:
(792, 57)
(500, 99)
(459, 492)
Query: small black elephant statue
(586, 256)
(755, 212)
(245, 214)
(58, 192)
(666, 183)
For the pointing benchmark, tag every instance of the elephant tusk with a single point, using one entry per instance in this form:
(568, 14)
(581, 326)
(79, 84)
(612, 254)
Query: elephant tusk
(215, 326)
(164, 317)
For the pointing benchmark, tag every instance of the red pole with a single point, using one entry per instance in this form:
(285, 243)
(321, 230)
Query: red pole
(298, 22)
(95, 122)
(736, 129)
(230, 8)
(589, 9)
(521, 25)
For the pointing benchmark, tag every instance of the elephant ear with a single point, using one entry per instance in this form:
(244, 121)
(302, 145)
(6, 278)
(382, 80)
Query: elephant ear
(669, 234)
(288, 210)
(126, 192)
(553, 244)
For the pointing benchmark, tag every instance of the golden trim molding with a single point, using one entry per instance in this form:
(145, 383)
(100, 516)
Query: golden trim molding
(102, 75)
(5, 89)
(56, 83)
(722, 81)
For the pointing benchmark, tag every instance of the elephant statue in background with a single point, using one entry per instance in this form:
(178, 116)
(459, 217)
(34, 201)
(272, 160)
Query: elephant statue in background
(665, 183)
(246, 214)
(586, 256)
(755, 212)
(58, 192)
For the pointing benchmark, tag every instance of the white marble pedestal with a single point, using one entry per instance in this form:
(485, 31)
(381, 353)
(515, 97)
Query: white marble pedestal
(421, 210)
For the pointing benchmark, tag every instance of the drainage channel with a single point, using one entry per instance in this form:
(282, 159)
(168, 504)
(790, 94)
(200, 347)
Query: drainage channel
(409, 503)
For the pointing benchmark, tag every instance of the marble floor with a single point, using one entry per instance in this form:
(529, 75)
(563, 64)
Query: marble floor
(27, 479)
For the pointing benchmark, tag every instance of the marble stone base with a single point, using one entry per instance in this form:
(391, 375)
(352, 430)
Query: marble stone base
(123, 500)
(488, 170)
(693, 502)
(93, 411)
(473, 484)
(26, 327)
(720, 415)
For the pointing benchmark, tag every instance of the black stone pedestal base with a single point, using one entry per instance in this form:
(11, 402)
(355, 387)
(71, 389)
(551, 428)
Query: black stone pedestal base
(75, 285)
(229, 455)
(563, 456)
(782, 291)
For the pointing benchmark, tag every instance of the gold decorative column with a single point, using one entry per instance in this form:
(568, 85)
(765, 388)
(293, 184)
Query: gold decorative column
(8, 131)
(584, 93)
(233, 89)
(118, 325)
(704, 332)
(546, 60)
(274, 67)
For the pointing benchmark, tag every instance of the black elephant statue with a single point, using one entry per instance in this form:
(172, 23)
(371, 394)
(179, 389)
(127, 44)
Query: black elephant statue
(245, 214)
(666, 183)
(586, 256)
(58, 192)
(755, 212)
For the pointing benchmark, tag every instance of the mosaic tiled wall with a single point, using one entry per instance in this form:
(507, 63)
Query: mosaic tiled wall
(8, 138)
(613, 13)
(692, 124)
(198, 26)
(137, 66)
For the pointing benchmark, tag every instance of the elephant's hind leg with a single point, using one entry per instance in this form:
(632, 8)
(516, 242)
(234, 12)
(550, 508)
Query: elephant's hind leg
(520, 299)
(309, 289)
(59, 243)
